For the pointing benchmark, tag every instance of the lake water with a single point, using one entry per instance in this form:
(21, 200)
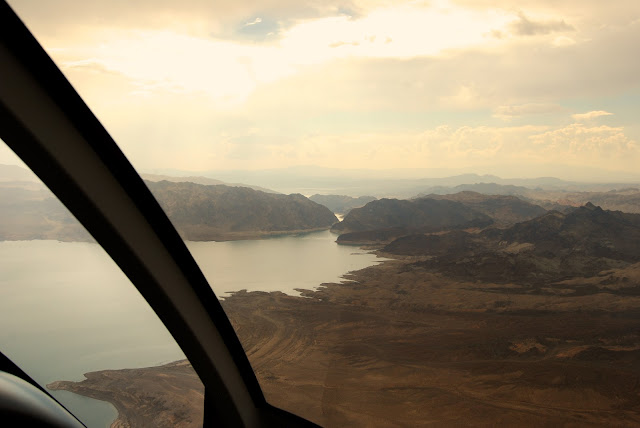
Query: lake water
(66, 308)
(277, 264)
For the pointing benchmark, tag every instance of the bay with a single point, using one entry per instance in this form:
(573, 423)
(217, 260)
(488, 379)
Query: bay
(284, 263)
(66, 309)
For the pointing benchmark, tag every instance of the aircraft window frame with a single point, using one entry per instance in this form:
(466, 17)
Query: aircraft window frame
(46, 123)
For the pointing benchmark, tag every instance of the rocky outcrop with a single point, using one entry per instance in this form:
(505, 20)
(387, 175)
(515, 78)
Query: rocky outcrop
(549, 248)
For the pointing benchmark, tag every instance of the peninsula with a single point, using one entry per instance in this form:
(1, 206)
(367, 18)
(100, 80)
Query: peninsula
(165, 396)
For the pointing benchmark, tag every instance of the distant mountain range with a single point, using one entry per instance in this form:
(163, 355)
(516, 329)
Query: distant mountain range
(16, 173)
(501, 208)
(489, 188)
(622, 198)
(202, 210)
(201, 180)
(397, 183)
(28, 210)
(341, 204)
(625, 199)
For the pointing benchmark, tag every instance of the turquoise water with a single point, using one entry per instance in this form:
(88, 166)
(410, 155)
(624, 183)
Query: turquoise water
(66, 308)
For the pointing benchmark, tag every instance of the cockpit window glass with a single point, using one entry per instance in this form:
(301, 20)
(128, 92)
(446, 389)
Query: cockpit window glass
(413, 212)
(75, 324)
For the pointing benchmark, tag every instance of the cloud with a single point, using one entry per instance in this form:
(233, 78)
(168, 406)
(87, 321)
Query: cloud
(522, 78)
(509, 112)
(562, 41)
(374, 82)
(72, 18)
(404, 31)
(588, 145)
(254, 22)
(527, 27)
(338, 44)
(459, 69)
(464, 97)
(590, 115)
(230, 70)
(520, 148)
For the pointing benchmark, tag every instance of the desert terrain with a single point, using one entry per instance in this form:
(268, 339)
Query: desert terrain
(398, 345)
(526, 324)
(165, 396)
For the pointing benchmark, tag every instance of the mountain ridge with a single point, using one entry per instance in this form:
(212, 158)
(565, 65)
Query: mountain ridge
(220, 212)
(503, 209)
(200, 180)
(541, 251)
(418, 214)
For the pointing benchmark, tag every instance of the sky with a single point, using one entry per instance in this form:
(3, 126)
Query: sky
(515, 89)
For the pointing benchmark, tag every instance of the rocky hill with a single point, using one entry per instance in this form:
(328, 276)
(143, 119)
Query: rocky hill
(203, 213)
(419, 214)
(28, 210)
(200, 180)
(547, 249)
(588, 230)
(503, 209)
(341, 204)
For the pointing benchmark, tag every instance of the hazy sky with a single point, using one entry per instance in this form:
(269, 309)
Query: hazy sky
(522, 88)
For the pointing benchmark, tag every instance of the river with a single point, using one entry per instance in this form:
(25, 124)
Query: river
(66, 308)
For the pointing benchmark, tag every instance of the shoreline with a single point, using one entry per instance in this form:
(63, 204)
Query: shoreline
(140, 395)
(251, 235)
(214, 237)
(69, 386)
(399, 342)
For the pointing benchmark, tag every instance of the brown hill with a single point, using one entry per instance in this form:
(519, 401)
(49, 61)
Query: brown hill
(30, 211)
(419, 214)
(203, 213)
(588, 230)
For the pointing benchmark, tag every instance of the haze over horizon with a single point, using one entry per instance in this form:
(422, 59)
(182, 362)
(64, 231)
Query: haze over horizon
(524, 89)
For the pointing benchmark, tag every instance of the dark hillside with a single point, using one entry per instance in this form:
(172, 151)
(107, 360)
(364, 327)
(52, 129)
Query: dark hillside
(221, 212)
(419, 214)
(503, 209)
(549, 248)
(588, 230)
